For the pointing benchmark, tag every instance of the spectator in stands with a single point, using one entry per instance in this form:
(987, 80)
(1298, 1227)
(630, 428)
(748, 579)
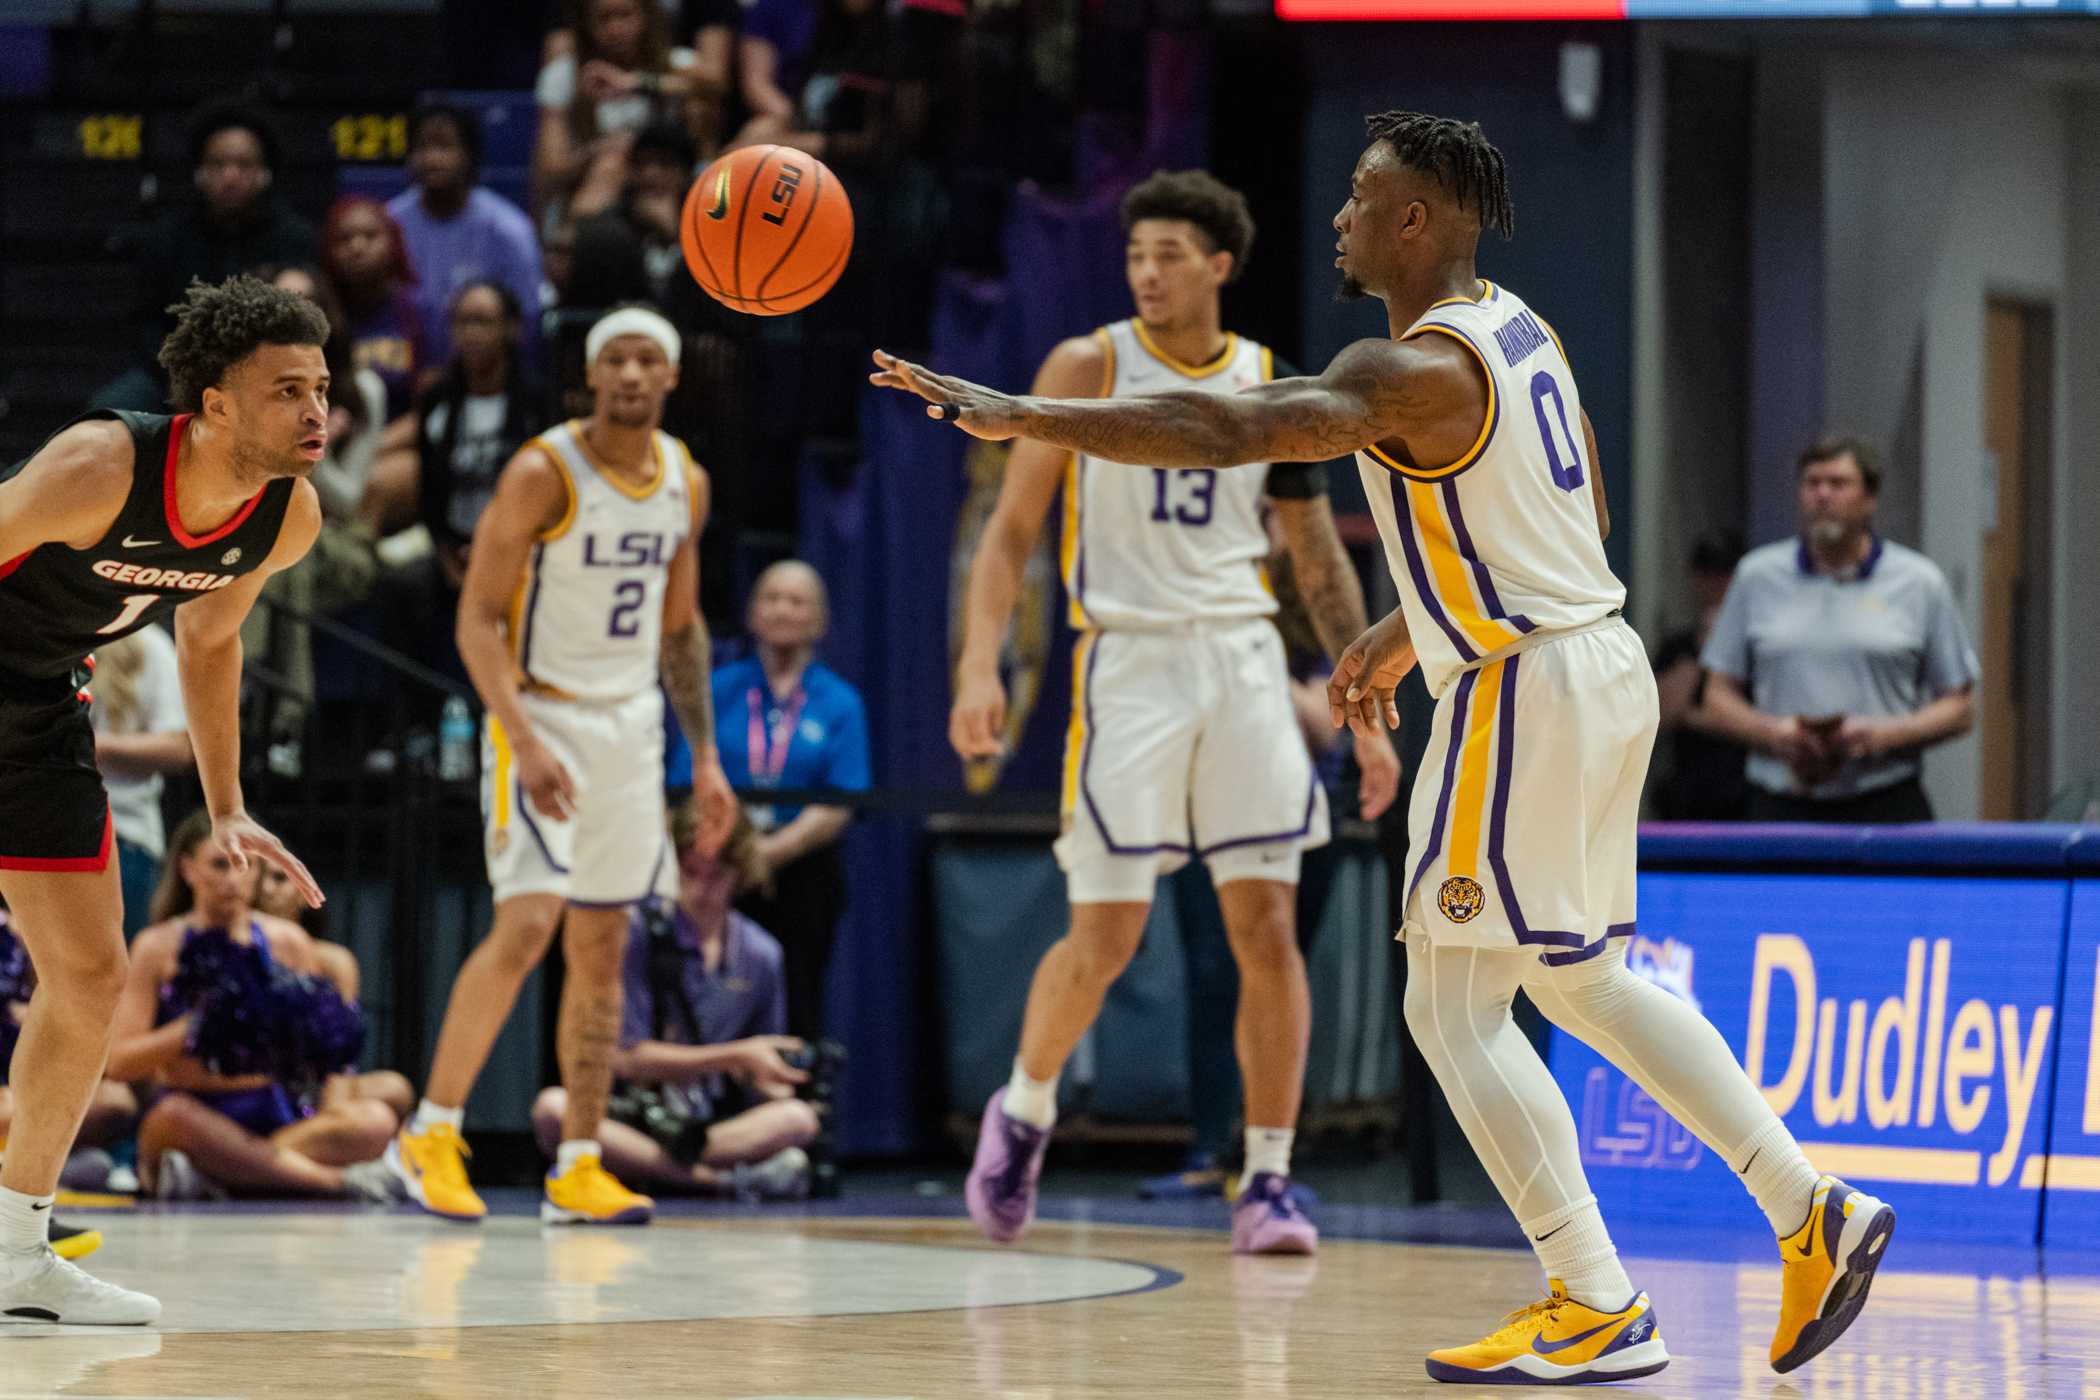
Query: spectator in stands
(622, 73)
(235, 222)
(1838, 658)
(458, 231)
(1701, 776)
(709, 82)
(867, 94)
(631, 252)
(141, 734)
(773, 52)
(366, 258)
(705, 1098)
(465, 427)
(785, 720)
(246, 1134)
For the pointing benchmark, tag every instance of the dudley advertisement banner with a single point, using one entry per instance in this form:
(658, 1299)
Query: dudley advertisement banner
(1918, 1034)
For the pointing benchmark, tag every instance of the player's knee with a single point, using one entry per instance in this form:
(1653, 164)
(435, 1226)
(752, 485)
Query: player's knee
(88, 976)
(1104, 950)
(518, 945)
(1267, 946)
(594, 947)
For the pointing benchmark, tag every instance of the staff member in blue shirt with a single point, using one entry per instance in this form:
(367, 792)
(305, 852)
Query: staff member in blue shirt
(785, 720)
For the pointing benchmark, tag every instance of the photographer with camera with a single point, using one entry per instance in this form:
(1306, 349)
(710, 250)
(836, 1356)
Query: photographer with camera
(705, 1098)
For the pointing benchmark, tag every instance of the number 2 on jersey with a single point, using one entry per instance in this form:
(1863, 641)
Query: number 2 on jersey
(133, 606)
(626, 613)
(1567, 477)
(1196, 510)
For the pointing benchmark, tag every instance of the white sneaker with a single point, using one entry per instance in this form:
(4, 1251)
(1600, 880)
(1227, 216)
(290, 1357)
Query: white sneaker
(179, 1180)
(374, 1182)
(784, 1176)
(45, 1288)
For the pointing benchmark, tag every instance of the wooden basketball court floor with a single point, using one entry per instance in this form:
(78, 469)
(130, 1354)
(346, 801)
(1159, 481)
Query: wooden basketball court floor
(892, 1298)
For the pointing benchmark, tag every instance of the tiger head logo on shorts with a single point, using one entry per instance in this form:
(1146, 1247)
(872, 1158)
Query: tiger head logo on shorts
(1460, 898)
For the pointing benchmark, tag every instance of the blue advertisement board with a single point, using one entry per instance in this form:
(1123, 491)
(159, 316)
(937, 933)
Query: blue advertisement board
(1905, 1028)
(2071, 1176)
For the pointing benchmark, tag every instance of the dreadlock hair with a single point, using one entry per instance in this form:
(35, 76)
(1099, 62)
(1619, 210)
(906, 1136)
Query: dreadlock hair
(216, 327)
(1213, 206)
(1458, 154)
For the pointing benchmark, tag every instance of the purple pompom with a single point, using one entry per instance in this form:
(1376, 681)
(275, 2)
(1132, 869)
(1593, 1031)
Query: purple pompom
(226, 984)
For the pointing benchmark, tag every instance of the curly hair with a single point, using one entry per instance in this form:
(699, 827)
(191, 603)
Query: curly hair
(216, 327)
(1213, 206)
(1460, 158)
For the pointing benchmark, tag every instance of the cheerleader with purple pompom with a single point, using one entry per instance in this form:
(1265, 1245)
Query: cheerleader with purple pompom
(249, 1032)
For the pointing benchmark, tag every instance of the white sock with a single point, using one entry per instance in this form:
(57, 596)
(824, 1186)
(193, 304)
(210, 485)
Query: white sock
(429, 1115)
(1032, 1101)
(1268, 1150)
(567, 1154)
(25, 1222)
(1775, 1172)
(1574, 1247)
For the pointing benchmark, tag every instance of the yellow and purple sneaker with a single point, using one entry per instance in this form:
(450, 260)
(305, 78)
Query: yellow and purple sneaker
(1829, 1264)
(1558, 1341)
(588, 1194)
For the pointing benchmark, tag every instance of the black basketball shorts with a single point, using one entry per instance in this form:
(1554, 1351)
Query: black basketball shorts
(54, 811)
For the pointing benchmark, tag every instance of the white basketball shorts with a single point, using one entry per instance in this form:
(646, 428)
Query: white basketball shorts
(1522, 830)
(608, 851)
(1184, 745)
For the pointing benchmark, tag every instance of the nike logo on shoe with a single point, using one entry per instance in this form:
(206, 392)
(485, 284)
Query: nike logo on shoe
(1543, 1347)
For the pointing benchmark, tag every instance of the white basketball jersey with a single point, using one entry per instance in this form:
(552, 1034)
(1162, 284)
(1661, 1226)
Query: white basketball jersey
(1503, 542)
(1159, 549)
(587, 619)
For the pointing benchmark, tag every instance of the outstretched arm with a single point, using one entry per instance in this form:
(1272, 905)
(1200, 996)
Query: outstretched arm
(208, 655)
(1423, 398)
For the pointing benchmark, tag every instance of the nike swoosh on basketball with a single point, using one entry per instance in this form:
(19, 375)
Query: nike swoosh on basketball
(1543, 1347)
(130, 543)
(721, 204)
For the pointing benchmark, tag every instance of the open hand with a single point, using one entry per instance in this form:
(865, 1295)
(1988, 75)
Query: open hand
(978, 411)
(243, 839)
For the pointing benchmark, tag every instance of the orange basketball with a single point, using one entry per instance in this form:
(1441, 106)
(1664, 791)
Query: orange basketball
(766, 230)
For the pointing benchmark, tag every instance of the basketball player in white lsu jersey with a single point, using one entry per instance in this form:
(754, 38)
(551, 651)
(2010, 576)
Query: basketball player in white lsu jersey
(581, 593)
(1182, 742)
(1482, 472)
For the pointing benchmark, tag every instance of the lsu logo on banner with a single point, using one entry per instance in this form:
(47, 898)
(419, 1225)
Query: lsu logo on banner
(1906, 1030)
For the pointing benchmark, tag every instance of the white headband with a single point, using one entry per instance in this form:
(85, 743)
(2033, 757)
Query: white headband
(631, 320)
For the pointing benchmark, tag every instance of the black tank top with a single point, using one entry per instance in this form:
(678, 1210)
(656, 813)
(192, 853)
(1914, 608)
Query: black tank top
(57, 604)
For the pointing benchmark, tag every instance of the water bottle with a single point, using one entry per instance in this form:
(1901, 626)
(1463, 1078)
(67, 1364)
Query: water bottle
(456, 742)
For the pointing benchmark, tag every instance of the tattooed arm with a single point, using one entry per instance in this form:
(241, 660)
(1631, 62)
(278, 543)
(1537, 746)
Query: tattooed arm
(1334, 596)
(687, 664)
(1423, 400)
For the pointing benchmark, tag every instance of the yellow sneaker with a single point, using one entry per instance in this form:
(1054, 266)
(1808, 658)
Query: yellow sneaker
(1558, 1341)
(1829, 1263)
(72, 1242)
(588, 1194)
(432, 1168)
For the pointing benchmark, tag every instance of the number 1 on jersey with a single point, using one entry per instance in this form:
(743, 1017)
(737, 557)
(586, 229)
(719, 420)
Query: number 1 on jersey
(133, 606)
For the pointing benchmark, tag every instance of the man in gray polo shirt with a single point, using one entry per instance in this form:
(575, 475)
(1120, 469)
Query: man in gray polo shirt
(1838, 658)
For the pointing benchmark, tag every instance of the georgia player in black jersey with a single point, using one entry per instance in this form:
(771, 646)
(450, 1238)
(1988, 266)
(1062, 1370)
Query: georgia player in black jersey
(117, 520)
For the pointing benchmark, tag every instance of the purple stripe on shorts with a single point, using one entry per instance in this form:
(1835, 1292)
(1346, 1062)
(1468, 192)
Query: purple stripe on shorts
(1443, 801)
(1499, 821)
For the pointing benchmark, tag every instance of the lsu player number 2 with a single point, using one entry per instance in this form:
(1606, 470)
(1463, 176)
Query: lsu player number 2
(626, 613)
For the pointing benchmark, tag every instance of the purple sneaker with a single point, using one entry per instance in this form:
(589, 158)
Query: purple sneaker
(1000, 1189)
(1268, 1219)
